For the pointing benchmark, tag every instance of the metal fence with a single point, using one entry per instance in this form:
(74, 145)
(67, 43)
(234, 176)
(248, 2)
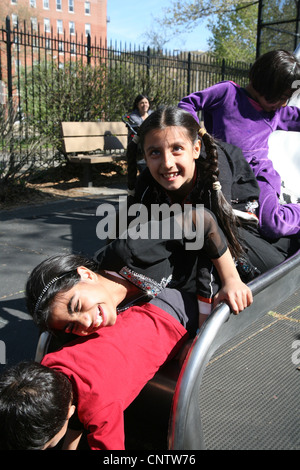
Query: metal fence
(278, 26)
(52, 78)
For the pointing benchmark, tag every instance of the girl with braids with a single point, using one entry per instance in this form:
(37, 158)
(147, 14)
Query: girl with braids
(217, 175)
(246, 117)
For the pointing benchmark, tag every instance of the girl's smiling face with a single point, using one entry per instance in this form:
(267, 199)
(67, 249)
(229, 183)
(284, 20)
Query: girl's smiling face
(84, 308)
(170, 157)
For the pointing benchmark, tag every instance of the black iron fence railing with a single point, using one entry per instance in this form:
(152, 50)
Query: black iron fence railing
(47, 79)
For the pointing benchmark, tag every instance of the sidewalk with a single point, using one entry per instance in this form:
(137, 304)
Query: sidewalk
(28, 235)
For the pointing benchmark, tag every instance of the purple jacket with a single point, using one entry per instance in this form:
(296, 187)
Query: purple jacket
(232, 116)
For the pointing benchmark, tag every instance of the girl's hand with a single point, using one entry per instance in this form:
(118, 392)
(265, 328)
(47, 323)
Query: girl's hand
(236, 294)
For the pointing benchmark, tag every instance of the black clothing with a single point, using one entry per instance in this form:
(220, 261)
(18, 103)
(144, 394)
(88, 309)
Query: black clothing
(241, 190)
(154, 263)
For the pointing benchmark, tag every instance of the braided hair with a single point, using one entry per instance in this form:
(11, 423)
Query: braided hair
(219, 205)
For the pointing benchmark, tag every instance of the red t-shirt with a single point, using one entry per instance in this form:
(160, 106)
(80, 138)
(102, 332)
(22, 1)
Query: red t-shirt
(109, 368)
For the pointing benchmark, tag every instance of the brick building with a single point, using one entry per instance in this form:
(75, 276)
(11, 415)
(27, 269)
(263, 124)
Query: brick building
(72, 17)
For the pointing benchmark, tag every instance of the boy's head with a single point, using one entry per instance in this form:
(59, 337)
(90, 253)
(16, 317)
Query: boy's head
(274, 75)
(35, 406)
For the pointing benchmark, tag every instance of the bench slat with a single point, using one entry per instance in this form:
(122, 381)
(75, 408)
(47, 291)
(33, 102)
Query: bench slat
(96, 158)
(77, 129)
(83, 144)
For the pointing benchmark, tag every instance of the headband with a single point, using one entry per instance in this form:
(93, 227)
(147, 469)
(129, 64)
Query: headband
(47, 286)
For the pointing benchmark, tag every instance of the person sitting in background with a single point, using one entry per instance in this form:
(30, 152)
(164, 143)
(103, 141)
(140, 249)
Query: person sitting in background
(133, 120)
(141, 110)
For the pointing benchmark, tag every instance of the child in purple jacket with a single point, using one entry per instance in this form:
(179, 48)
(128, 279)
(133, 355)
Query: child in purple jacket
(246, 117)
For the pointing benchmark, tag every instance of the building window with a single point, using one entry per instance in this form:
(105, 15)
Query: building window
(34, 24)
(87, 8)
(17, 41)
(71, 6)
(73, 48)
(71, 27)
(35, 43)
(58, 5)
(47, 25)
(46, 4)
(87, 29)
(32, 3)
(14, 20)
(59, 25)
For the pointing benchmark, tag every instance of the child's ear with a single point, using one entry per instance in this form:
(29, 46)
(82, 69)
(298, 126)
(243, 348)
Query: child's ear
(197, 148)
(85, 273)
(71, 411)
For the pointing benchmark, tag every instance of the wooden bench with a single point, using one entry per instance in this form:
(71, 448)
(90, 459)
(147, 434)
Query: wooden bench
(94, 142)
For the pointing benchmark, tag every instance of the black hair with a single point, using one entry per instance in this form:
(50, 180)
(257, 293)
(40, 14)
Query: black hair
(34, 406)
(166, 116)
(55, 274)
(274, 73)
(209, 172)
